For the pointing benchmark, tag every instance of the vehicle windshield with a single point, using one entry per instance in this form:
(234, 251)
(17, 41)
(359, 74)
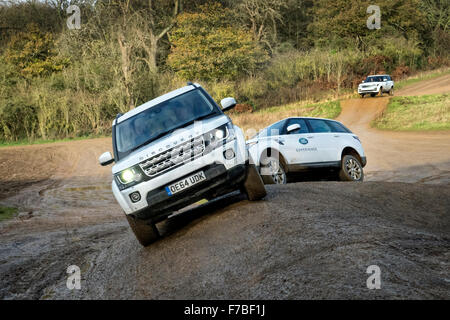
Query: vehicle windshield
(161, 119)
(374, 79)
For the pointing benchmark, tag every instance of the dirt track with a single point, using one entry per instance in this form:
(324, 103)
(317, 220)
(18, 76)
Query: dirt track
(305, 240)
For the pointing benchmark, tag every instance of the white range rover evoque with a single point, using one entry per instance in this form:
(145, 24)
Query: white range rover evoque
(299, 144)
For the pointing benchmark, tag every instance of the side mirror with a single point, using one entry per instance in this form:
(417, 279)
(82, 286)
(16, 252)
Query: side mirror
(227, 103)
(293, 127)
(105, 159)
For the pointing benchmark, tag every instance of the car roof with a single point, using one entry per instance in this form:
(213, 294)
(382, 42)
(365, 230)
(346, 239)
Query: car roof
(299, 117)
(378, 75)
(154, 102)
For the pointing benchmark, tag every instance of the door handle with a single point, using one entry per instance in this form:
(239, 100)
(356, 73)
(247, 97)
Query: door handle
(310, 137)
(336, 136)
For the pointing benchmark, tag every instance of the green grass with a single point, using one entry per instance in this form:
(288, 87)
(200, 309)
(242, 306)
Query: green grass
(7, 213)
(329, 109)
(416, 113)
(420, 77)
(25, 142)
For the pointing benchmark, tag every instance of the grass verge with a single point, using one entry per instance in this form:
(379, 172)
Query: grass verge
(420, 77)
(43, 141)
(416, 113)
(7, 213)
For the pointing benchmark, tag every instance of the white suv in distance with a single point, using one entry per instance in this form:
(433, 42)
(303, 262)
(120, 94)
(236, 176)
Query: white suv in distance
(377, 84)
(174, 151)
(299, 144)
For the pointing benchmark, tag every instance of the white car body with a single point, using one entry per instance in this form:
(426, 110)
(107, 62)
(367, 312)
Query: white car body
(171, 157)
(376, 84)
(305, 148)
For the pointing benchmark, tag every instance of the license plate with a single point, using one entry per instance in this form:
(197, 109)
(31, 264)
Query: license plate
(185, 183)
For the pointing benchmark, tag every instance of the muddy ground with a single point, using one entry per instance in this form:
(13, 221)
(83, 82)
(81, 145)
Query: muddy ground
(304, 240)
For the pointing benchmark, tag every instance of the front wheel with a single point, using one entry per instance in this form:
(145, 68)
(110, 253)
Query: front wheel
(351, 169)
(253, 185)
(273, 171)
(145, 233)
(362, 95)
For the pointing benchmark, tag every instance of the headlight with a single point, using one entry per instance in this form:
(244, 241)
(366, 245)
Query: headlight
(218, 136)
(129, 177)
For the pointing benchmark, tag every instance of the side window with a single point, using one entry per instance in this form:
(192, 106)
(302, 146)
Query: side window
(337, 127)
(301, 122)
(319, 126)
(275, 129)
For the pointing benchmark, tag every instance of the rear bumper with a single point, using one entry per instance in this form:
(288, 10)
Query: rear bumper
(218, 181)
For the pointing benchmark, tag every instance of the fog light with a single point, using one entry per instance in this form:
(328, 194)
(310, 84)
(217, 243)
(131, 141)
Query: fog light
(135, 196)
(228, 154)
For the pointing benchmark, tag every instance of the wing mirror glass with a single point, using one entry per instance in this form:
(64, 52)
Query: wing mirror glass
(293, 127)
(105, 159)
(228, 103)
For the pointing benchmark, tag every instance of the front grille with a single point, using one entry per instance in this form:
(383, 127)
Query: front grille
(174, 157)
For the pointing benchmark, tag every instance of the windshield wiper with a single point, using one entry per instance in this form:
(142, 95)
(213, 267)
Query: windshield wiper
(170, 131)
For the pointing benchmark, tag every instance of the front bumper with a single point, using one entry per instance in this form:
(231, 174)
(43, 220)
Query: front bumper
(371, 90)
(216, 156)
(218, 181)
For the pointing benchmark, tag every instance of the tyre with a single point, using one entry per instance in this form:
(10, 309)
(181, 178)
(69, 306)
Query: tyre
(253, 185)
(273, 171)
(381, 91)
(391, 91)
(373, 95)
(145, 233)
(362, 95)
(351, 169)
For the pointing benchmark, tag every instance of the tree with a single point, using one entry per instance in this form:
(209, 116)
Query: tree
(206, 45)
(262, 17)
(33, 53)
(344, 20)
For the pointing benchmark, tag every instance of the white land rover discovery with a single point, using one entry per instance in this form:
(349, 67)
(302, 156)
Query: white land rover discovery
(174, 151)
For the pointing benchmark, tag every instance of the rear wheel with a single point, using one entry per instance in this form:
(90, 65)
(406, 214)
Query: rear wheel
(362, 95)
(146, 233)
(351, 169)
(253, 185)
(373, 95)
